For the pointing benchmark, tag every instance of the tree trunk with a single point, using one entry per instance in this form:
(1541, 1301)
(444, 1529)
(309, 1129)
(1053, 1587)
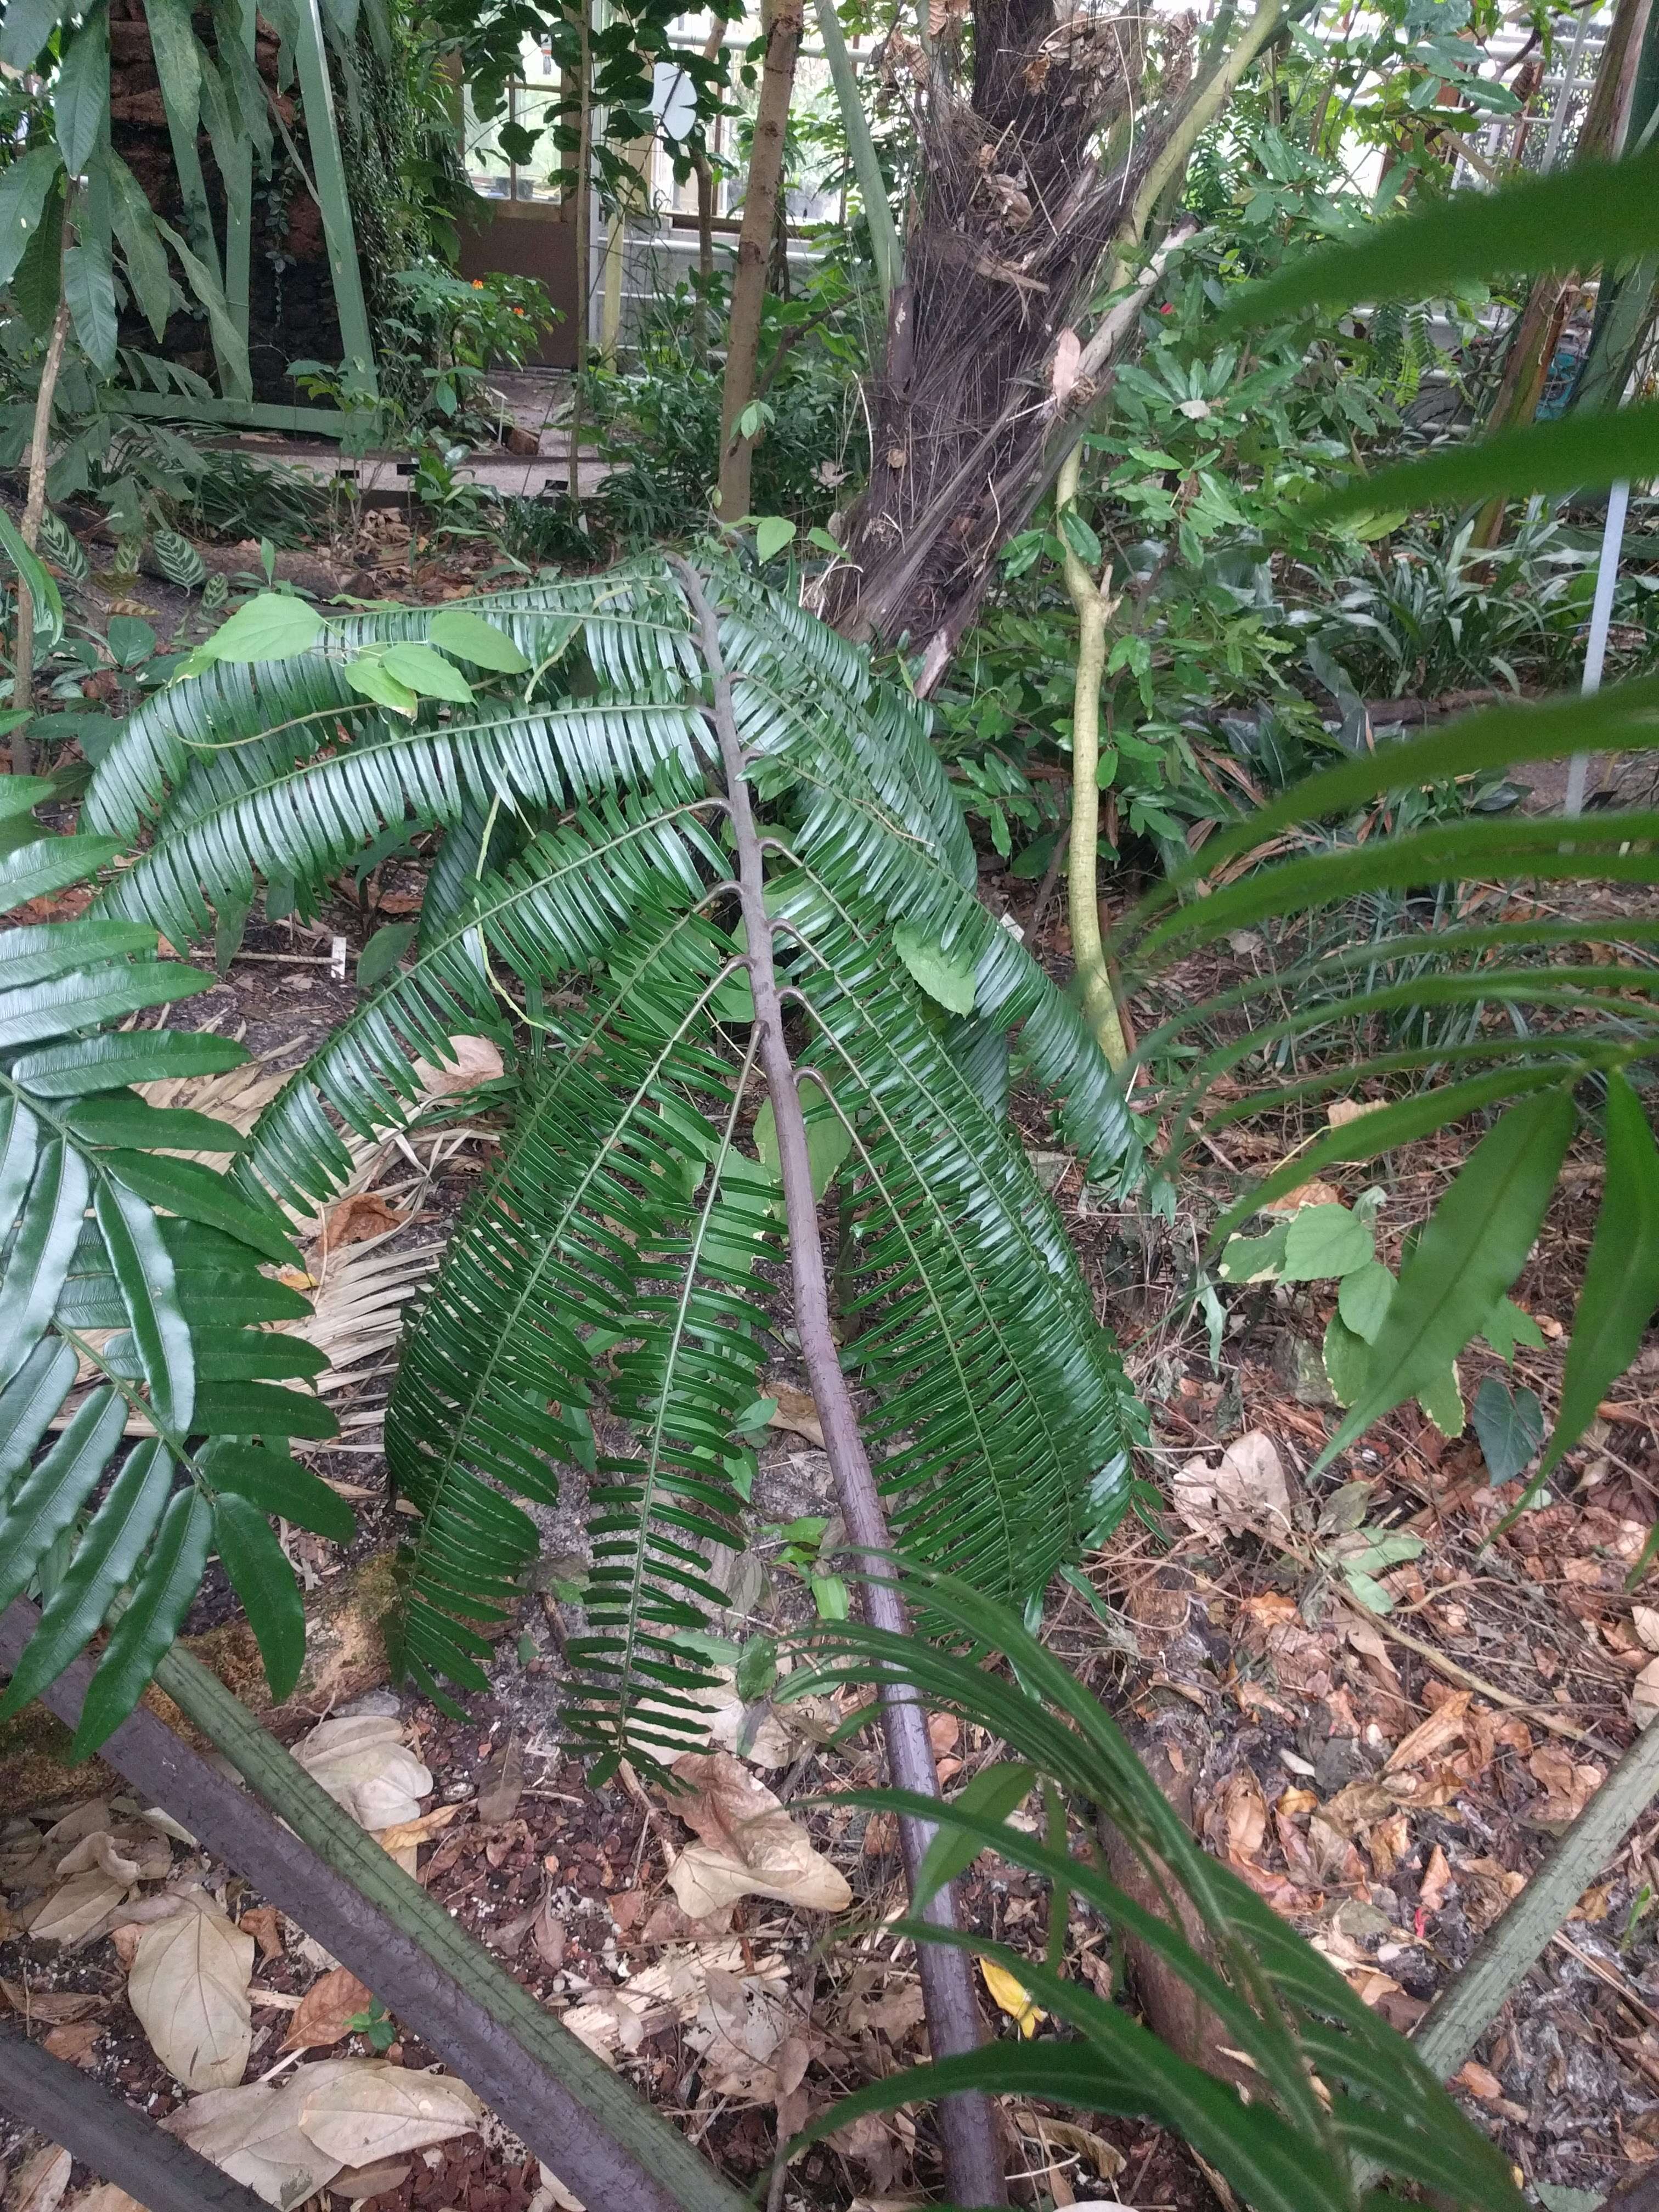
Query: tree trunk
(783, 30)
(22, 693)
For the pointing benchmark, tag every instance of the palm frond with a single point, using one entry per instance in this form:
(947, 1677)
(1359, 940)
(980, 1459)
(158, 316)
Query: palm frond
(131, 1295)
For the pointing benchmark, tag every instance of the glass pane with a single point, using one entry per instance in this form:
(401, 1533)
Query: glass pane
(537, 108)
(486, 167)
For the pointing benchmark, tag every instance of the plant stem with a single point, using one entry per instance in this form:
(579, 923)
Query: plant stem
(343, 1889)
(22, 692)
(783, 22)
(584, 197)
(884, 249)
(1470, 2002)
(1082, 894)
(973, 2165)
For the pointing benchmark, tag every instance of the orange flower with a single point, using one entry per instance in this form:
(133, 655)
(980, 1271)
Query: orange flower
(477, 283)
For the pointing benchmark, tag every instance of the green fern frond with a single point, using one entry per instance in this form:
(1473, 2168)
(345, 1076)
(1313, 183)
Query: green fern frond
(131, 1290)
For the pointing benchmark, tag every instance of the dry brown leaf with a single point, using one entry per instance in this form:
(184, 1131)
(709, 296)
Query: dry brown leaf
(99, 1851)
(1341, 1111)
(1441, 1729)
(609, 2020)
(72, 1913)
(39, 2184)
(1246, 1492)
(79, 1821)
(405, 1835)
(743, 2028)
(1568, 1785)
(1645, 1619)
(264, 1923)
(1106, 2159)
(366, 1767)
(356, 1218)
(502, 1784)
(74, 2044)
(106, 2197)
(52, 2006)
(1305, 1194)
(1063, 370)
(1477, 2080)
(189, 1986)
(1644, 1694)
(1436, 1881)
(897, 2014)
(327, 2009)
(797, 1413)
(360, 2185)
(750, 1846)
(547, 1932)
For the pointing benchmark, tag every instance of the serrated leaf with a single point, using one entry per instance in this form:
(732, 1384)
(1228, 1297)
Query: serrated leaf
(947, 977)
(470, 637)
(421, 670)
(271, 627)
(262, 1578)
(171, 1576)
(1621, 1276)
(104, 1561)
(1471, 1249)
(1325, 1240)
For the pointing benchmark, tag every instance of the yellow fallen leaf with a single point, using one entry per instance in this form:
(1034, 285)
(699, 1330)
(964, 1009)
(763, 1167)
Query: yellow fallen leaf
(1011, 1996)
(402, 1833)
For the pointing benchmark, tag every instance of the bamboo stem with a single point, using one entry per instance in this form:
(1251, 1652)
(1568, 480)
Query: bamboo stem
(974, 2168)
(1082, 895)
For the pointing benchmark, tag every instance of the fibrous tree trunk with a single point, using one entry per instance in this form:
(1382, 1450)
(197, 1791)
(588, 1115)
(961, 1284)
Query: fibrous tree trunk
(782, 29)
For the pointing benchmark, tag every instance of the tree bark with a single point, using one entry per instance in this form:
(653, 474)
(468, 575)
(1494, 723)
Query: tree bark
(783, 30)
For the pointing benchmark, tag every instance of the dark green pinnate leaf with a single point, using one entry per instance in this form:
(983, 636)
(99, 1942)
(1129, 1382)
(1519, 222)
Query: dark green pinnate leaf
(46, 1502)
(278, 1486)
(262, 1578)
(146, 259)
(187, 1187)
(1621, 1277)
(49, 865)
(1509, 1425)
(1580, 217)
(994, 1792)
(171, 1576)
(82, 999)
(47, 1237)
(20, 1149)
(1472, 1249)
(104, 1563)
(262, 1409)
(244, 1355)
(126, 1120)
(143, 1269)
(29, 792)
(111, 1063)
(36, 955)
(1580, 452)
(28, 1403)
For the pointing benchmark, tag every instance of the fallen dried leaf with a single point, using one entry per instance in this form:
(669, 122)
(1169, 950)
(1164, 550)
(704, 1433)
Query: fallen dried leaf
(366, 1767)
(502, 1784)
(797, 1413)
(359, 2184)
(1440, 1728)
(189, 1986)
(106, 2197)
(1305, 1194)
(326, 2010)
(72, 1913)
(750, 1846)
(99, 1851)
(264, 1923)
(1645, 1619)
(39, 2182)
(356, 1218)
(1011, 1996)
(405, 1835)
(1644, 1694)
(1436, 1881)
(50, 2005)
(74, 2043)
(1247, 1492)
(1477, 2080)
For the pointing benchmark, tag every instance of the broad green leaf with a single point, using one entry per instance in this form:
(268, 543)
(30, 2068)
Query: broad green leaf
(828, 1141)
(80, 98)
(29, 1403)
(37, 281)
(24, 183)
(20, 1149)
(1587, 217)
(35, 955)
(262, 1578)
(470, 637)
(271, 627)
(178, 57)
(47, 1237)
(187, 1187)
(134, 222)
(89, 288)
(772, 533)
(995, 1791)
(20, 794)
(1441, 1400)
(1254, 1258)
(37, 581)
(110, 1063)
(262, 1409)
(123, 1120)
(1362, 1300)
(1325, 1240)
(160, 1334)
(172, 1576)
(428, 672)
(278, 1486)
(1509, 1425)
(1506, 1326)
(1580, 452)
(383, 952)
(1621, 1276)
(946, 976)
(105, 993)
(48, 1499)
(103, 1563)
(1348, 1357)
(1471, 1249)
(367, 673)
(246, 1355)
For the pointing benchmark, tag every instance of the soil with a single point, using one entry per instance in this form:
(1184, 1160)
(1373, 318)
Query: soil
(1527, 1642)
